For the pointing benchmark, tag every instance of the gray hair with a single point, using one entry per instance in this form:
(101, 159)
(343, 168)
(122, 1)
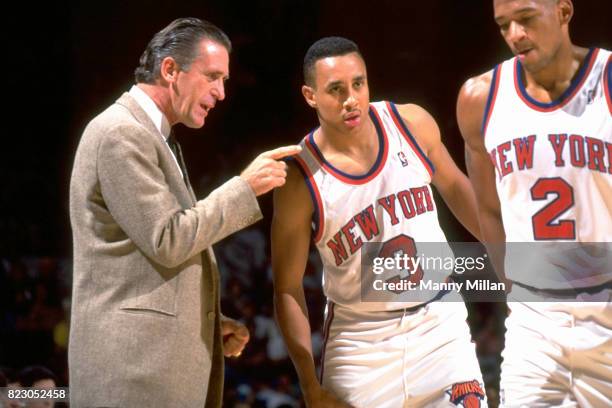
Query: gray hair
(178, 40)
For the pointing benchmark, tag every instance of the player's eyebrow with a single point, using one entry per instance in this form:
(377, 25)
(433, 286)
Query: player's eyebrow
(333, 83)
(339, 82)
(502, 18)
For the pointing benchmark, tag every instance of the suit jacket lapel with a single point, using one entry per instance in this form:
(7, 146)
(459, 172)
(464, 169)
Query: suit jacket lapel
(187, 197)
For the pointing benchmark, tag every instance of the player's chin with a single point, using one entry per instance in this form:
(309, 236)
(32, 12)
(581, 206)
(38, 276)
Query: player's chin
(352, 126)
(531, 60)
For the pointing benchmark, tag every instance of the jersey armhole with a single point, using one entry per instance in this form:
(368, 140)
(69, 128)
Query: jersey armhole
(315, 196)
(607, 80)
(399, 122)
(490, 100)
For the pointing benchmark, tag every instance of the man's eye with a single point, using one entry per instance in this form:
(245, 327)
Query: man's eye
(526, 20)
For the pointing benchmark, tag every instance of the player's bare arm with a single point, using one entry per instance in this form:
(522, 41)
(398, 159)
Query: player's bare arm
(449, 180)
(470, 112)
(291, 234)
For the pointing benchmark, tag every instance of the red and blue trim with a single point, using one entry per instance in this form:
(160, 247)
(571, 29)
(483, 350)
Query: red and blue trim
(399, 123)
(318, 216)
(491, 99)
(383, 148)
(608, 83)
(575, 85)
(326, 326)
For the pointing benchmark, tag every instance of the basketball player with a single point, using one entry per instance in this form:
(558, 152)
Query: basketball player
(538, 131)
(363, 177)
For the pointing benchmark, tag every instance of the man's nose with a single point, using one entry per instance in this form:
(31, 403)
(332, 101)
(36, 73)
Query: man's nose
(516, 33)
(350, 102)
(219, 89)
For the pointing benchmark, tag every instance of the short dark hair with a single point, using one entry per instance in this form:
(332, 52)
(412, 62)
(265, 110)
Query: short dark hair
(323, 48)
(179, 40)
(32, 374)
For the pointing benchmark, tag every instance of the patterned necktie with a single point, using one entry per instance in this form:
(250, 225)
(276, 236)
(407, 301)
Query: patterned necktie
(176, 150)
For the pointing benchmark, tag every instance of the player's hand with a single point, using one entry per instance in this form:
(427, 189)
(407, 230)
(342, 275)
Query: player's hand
(321, 398)
(235, 337)
(267, 171)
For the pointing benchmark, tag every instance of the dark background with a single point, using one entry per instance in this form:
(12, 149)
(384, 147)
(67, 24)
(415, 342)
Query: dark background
(64, 62)
(67, 61)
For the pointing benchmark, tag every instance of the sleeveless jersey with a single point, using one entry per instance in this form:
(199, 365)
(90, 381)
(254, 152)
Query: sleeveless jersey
(391, 205)
(553, 166)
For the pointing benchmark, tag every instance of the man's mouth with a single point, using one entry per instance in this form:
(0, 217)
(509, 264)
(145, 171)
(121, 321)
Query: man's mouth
(205, 108)
(523, 52)
(352, 119)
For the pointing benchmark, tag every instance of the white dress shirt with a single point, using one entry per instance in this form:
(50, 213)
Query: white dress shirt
(156, 115)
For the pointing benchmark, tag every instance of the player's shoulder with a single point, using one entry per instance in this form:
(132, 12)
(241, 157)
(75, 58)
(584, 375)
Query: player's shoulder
(412, 111)
(606, 56)
(295, 173)
(471, 104)
(414, 116)
(293, 199)
(476, 89)
(298, 175)
(420, 123)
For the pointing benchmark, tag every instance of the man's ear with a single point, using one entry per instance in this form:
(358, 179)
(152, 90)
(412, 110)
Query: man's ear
(309, 96)
(169, 70)
(566, 11)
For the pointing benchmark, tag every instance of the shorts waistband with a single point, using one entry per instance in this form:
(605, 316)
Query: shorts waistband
(411, 309)
(591, 290)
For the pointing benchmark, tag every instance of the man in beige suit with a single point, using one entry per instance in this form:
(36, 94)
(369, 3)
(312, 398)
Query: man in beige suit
(146, 326)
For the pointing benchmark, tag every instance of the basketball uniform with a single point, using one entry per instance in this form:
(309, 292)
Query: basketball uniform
(553, 167)
(383, 351)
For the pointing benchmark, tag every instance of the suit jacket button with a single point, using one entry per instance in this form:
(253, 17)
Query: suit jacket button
(211, 315)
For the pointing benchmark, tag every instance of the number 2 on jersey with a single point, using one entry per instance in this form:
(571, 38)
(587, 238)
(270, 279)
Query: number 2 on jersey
(544, 225)
(402, 245)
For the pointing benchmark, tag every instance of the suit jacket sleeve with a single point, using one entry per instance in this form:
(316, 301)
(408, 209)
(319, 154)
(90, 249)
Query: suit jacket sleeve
(140, 199)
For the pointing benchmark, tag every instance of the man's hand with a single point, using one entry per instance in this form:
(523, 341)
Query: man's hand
(321, 398)
(267, 171)
(235, 337)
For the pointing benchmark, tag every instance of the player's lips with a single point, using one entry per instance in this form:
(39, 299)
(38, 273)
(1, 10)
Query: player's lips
(523, 51)
(352, 118)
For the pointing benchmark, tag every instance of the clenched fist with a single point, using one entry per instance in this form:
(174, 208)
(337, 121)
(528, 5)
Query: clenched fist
(267, 171)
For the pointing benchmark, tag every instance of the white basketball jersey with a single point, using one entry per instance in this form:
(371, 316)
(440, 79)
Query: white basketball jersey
(553, 165)
(392, 204)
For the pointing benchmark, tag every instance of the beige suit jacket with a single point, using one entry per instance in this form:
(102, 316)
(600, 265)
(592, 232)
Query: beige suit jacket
(145, 326)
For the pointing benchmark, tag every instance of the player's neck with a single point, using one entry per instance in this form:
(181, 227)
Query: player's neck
(351, 152)
(363, 139)
(556, 77)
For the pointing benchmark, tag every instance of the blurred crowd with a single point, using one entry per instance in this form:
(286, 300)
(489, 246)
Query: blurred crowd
(35, 318)
(35, 311)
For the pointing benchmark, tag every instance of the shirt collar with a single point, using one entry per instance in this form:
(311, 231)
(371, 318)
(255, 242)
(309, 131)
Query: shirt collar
(152, 111)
